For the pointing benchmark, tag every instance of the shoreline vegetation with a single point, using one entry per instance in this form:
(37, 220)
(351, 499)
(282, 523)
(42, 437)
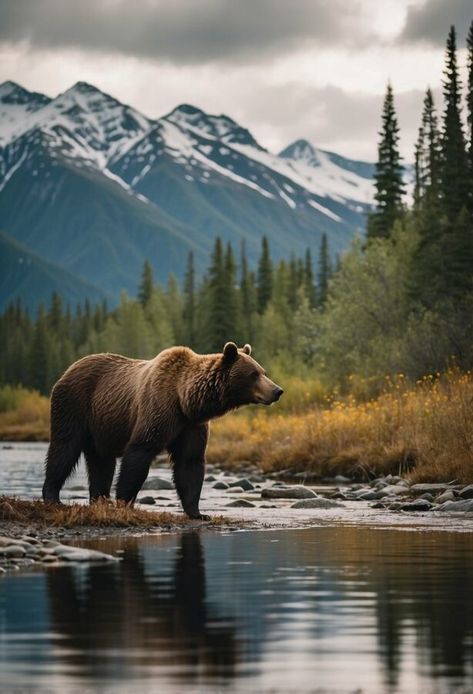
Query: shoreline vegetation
(422, 431)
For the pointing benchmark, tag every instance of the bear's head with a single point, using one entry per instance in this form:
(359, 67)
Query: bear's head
(246, 382)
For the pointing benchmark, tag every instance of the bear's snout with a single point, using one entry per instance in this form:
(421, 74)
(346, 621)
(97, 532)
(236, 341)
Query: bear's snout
(267, 392)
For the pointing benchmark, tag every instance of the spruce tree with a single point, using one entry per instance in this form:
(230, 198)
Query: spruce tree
(247, 298)
(455, 179)
(309, 285)
(188, 312)
(427, 156)
(265, 276)
(218, 329)
(469, 102)
(389, 187)
(325, 271)
(146, 284)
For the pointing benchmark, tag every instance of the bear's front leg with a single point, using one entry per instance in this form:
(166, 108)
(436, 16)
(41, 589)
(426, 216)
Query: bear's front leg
(188, 458)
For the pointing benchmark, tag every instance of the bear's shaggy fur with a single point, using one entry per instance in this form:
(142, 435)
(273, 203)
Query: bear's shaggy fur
(108, 406)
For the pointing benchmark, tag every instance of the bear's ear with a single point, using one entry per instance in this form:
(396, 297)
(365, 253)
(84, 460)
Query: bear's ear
(246, 349)
(230, 352)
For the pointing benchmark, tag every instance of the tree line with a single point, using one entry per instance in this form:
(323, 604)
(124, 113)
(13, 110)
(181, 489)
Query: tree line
(266, 306)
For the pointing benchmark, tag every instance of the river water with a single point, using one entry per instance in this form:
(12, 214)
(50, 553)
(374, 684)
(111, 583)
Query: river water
(336, 609)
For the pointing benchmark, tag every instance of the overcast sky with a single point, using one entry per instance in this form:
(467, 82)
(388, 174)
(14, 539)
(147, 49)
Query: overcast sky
(284, 69)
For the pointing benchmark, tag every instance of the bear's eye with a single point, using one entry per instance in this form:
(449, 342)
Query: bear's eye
(254, 375)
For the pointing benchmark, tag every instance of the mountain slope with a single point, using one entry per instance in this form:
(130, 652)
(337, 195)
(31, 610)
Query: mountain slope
(26, 274)
(92, 184)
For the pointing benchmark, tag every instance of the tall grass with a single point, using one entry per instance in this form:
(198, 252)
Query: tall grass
(24, 414)
(424, 431)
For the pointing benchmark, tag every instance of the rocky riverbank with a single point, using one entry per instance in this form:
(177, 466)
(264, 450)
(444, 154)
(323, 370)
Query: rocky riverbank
(19, 551)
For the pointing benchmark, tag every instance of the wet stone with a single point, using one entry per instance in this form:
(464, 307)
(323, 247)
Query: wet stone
(463, 506)
(149, 500)
(417, 505)
(338, 495)
(244, 483)
(13, 551)
(220, 485)
(294, 492)
(397, 489)
(241, 503)
(317, 503)
(466, 492)
(445, 496)
(210, 478)
(257, 478)
(157, 483)
(434, 488)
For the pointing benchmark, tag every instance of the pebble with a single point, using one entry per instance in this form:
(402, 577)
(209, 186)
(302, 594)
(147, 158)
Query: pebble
(241, 503)
(244, 483)
(210, 478)
(465, 505)
(445, 496)
(149, 500)
(13, 551)
(257, 478)
(157, 483)
(417, 505)
(294, 492)
(433, 488)
(466, 492)
(397, 489)
(220, 485)
(318, 502)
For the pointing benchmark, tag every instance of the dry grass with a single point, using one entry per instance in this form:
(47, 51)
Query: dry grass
(101, 514)
(423, 431)
(27, 417)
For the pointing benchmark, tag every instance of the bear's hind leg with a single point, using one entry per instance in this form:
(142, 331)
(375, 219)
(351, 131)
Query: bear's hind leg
(61, 460)
(100, 470)
(188, 458)
(134, 470)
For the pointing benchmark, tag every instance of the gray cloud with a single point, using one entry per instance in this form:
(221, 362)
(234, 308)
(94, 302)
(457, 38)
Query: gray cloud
(331, 118)
(184, 31)
(431, 21)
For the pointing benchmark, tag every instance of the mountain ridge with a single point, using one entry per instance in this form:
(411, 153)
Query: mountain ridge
(100, 177)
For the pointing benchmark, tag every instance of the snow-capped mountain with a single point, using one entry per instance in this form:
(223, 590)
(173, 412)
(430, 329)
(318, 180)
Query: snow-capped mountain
(93, 185)
(16, 104)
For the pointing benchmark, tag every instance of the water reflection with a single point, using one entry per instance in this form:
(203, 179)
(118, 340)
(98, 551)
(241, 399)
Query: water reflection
(155, 617)
(328, 608)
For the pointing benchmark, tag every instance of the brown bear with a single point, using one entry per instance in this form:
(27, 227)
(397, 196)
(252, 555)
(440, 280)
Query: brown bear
(109, 406)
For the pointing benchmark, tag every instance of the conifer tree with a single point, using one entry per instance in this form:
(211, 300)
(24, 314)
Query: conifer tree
(247, 298)
(469, 102)
(265, 276)
(389, 187)
(220, 326)
(39, 376)
(325, 270)
(188, 312)
(146, 284)
(455, 179)
(309, 285)
(427, 156)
